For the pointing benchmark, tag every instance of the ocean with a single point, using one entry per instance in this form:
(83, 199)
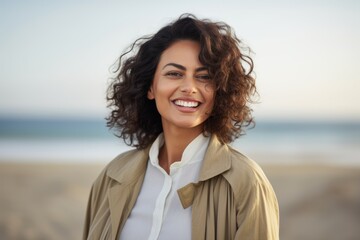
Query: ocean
(90, 141)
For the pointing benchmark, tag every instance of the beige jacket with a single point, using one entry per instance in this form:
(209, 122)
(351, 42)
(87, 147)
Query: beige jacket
(232, 200)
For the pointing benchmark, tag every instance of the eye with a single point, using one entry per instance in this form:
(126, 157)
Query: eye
(203, 77)
(174, 74)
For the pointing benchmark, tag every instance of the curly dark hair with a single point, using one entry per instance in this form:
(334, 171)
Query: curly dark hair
(135, 117)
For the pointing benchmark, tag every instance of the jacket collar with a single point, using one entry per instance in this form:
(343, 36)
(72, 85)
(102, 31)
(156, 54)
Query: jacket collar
(216, 160)
(129, 166)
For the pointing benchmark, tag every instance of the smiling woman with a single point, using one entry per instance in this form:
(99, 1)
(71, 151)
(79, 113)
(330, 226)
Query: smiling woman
(180, 100)
(182, 90)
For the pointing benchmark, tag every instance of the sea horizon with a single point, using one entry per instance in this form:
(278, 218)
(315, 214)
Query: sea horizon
(88, 140)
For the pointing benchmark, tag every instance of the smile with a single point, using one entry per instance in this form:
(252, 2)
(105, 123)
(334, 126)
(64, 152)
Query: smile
(182, 103)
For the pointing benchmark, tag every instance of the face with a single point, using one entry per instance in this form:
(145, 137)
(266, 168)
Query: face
(182, 88)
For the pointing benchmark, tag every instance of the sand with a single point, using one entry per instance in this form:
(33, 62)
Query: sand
(47, 201)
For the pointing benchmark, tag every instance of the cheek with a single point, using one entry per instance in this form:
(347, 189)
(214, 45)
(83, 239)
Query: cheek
(210, 95)
(162, 94)
(165, 89)
(209, 88)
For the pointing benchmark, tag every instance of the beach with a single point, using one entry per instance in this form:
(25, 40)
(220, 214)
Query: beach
(48, 200)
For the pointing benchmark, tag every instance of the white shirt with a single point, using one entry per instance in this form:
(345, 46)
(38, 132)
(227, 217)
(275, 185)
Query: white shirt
(158, 213)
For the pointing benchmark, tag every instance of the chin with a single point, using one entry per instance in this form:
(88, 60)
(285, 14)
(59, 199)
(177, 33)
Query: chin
(189, 125)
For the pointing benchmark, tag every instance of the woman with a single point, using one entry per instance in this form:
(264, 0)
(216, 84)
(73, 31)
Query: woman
(180, 99)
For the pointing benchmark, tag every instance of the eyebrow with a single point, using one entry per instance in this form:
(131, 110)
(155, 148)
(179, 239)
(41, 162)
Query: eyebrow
(181, 67)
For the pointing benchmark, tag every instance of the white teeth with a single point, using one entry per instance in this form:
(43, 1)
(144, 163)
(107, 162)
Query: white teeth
(186, 103)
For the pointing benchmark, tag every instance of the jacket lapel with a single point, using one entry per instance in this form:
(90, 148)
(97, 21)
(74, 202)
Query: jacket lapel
(125, 187)
(118, 206)
(216, 161)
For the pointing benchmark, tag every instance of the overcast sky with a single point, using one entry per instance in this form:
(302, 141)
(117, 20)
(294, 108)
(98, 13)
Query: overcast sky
(55, 55)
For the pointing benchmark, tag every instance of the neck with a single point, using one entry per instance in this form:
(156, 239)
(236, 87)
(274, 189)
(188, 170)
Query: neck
(174, 146)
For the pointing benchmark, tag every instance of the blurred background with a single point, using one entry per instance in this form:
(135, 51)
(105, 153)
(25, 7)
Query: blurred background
(55, 66)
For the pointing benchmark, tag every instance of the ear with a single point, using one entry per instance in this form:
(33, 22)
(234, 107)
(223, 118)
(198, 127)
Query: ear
(150, 93)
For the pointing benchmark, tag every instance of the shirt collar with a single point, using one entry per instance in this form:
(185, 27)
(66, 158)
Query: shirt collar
(194, 152)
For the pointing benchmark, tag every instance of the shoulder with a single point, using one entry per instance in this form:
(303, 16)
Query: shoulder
(245, 175)
(124, 161)
(238, 169)
(255, 200)
(122, 166)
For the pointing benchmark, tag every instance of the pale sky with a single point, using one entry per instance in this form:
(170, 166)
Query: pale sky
(55, 56)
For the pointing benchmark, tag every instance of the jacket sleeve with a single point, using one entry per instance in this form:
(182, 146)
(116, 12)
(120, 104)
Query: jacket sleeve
(97, 193)
(88, 215)
(258, 212)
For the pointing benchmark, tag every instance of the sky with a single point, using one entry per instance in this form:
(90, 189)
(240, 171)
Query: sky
(56, 56)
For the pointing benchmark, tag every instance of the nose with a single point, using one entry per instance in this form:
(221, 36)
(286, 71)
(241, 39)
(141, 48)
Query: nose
(188, 85)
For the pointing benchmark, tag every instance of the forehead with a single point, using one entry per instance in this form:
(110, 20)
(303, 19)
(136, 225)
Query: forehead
(185, 52)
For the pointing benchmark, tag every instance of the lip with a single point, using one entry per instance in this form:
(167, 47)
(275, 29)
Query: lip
(186, 99)
(186, 109)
